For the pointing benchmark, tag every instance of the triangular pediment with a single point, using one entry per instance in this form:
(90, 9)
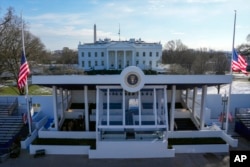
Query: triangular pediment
(120, 45)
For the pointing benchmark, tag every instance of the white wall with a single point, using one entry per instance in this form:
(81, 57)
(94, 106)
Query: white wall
(131, 149)
(214, 102)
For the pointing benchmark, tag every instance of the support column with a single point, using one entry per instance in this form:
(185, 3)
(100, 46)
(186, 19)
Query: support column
(107, 106)
(107, 60)
(228, 106)
(67, 99)
(62, 101)
(203, 107)
(139, 101)
(55, 107)
(124, 59)
(133, 58)
(116, 59)
(123, 108)
(166, 106)
(194, 101)
(86, 108)
(172, 122)
(97, 113)
(154, 106)
(187, 92)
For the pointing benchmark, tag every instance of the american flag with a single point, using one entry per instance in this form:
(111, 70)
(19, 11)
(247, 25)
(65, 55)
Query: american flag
(239, 63)
(23, 72)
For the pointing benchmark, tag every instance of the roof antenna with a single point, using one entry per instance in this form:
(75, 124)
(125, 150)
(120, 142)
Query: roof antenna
(119, 32)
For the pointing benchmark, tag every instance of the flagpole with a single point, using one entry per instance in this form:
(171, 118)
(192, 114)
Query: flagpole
(233, 39)
(26, 85)
(231, 73)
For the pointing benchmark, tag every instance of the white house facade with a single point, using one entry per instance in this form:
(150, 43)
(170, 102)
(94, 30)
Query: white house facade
(108, 54)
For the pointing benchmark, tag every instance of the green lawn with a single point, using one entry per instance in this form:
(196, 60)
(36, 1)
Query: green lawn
(33, 90)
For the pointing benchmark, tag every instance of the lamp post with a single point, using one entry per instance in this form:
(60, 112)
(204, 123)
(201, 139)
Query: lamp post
(224, 103)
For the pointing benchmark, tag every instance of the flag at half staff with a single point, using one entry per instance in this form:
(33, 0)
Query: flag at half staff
(239, 63)
(23, 72)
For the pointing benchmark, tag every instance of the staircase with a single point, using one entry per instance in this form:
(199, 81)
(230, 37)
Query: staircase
(11, 127)
(184, 124)
(130, 134)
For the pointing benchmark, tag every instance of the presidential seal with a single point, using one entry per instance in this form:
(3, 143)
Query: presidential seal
(132, 79)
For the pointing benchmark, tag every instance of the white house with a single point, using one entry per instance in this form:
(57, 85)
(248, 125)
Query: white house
(108, 54)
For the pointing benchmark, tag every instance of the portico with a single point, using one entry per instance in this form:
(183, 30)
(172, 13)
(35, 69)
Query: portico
(120, 58)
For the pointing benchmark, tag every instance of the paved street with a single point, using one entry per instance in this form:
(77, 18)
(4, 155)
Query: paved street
(182, 160)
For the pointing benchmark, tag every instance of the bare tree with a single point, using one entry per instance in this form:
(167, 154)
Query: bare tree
(11, 44)
(175, 45)
(68, 56)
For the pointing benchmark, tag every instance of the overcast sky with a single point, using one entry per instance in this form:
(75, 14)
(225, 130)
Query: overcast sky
(197, 23)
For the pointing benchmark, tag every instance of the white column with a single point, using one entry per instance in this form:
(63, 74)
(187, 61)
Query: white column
(62, 105)
(67, 99)
(115, 59)
(55, 107)
(166, 106)
(172, 108)
(203, 107)
(86, 108)
(124, 59)
(187, 92)
(123, 108)
(107, 61)
(139, 101)
(194, 101)
(108, 106)
(133, 58)
(154, 106)
(228, 106)
(97, 112)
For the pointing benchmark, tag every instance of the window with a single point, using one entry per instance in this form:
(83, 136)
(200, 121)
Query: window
(144, 54)
(127, 62)
(89, 54)
(137, 62)
(82, 54)
(150, 54)
(102, 54)
(95, 54)
(82, 63)
(137, 54)
(143, 62)
(96, 63)
(150, 63)
(157, 54)
(102, 63)
(89, 63)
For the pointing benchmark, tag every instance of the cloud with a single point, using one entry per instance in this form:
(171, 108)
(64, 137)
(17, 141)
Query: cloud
(62, 19)
(178, 33)
(206, 1)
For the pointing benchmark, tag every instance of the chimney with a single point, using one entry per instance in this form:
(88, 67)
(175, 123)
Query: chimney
(94, 33)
